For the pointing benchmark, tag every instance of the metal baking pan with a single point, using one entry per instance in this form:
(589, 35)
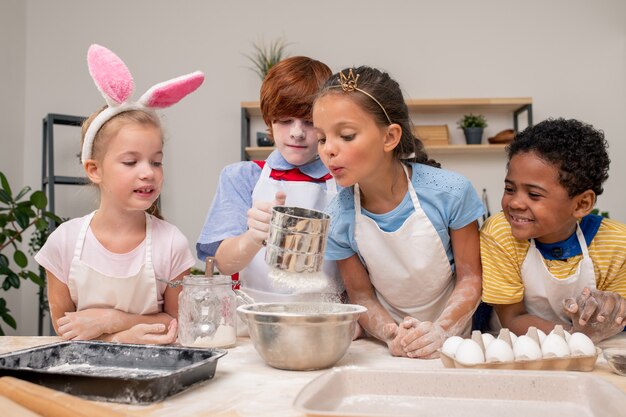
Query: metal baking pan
(459, 393)
(122, 373)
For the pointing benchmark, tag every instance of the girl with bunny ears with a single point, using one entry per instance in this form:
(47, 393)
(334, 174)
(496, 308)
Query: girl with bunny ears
(105, 270)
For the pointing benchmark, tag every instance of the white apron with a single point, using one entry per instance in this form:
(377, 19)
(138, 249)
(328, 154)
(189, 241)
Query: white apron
(254, 278)
(544, 294)
(409, 268)
(136, 294)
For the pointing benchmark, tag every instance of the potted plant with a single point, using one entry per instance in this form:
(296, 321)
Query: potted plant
(265, 56)
(19, 214)
(473, 126)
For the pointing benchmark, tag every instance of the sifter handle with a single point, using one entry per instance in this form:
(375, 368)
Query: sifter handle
(210, 266)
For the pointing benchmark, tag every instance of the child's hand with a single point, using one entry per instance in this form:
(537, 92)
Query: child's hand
(598, 314)
(82, 325)
(422, 339)
(393, 334)
(150, 334)
(259, 218)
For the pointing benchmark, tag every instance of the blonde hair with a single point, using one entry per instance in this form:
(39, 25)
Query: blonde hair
(112, 127)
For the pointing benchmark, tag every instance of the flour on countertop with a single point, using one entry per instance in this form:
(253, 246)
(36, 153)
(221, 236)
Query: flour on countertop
(105, 371)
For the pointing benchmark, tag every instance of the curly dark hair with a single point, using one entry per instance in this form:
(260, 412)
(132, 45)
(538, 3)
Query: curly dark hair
(577, 149)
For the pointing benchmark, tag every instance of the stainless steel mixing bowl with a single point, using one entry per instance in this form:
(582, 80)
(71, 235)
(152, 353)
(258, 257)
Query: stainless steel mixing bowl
(301, 336)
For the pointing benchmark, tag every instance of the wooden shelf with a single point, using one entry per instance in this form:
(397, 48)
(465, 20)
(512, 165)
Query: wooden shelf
(509, 104)
(469, 104)
(253, 108)
(259, 153)
(483, 148)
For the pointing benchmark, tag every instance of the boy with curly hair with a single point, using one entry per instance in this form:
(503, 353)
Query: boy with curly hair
(546, 259)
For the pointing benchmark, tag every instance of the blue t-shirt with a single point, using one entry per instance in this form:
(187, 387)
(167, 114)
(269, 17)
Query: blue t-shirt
(227, 216)
(447, 198)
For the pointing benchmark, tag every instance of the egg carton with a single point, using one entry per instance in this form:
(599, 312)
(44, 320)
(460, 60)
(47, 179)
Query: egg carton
(584, 363)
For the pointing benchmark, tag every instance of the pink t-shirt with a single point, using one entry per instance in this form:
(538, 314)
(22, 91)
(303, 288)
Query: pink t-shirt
(170, 253)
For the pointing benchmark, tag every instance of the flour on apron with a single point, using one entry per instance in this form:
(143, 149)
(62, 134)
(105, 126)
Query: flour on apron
(409, 267)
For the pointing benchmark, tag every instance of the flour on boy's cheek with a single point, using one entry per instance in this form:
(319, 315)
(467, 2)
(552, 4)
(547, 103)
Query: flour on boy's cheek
(295, 139)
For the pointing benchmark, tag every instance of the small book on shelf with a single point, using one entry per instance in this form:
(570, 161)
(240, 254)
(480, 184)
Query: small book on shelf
(432, 135)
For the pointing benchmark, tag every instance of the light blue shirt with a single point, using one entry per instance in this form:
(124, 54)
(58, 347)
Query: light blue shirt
(447, 198)
(227, 216)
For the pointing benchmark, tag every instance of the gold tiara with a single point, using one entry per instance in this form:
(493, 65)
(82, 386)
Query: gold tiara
(349, 84)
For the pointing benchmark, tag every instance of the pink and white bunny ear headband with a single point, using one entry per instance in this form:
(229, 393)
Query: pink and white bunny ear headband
(116, 85)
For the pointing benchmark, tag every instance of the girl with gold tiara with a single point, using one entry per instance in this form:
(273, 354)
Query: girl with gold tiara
(404, 232)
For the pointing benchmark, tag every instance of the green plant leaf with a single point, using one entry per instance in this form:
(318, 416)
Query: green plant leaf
(12, 234)
(5, 185)
(265, 56)
(20, 258)
(56, 219)
(16, 216)
(25, 208)
(14, 280)
(39, 199)
(41, 224)
(22, 193)
(5, 198)
(472, 120)
(22, 219)
(8, 319)
(36, 278)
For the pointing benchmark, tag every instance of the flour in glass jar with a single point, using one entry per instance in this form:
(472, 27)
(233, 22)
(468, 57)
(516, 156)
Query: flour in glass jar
(224, 336)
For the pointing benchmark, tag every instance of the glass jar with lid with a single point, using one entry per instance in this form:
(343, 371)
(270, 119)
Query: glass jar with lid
(207, 312)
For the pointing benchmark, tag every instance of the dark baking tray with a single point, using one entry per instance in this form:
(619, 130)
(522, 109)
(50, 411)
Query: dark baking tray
(122, 373)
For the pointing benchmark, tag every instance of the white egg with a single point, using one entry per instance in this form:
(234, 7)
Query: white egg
(499, 351)
(581, 345)
(450, 345)
(487, 339)
(513, 338)
(566, 333)
(542, 336)
(554, 346)
(469, 353)
(525, 348)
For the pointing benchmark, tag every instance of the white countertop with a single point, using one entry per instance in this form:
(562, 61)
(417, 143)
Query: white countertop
(244, 386)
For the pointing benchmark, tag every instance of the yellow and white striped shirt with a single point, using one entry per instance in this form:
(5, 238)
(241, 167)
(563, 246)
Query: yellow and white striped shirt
(502, 256)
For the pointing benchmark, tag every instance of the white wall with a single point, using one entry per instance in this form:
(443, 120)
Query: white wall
(12, 47)
(12, 80)
(568, 55)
